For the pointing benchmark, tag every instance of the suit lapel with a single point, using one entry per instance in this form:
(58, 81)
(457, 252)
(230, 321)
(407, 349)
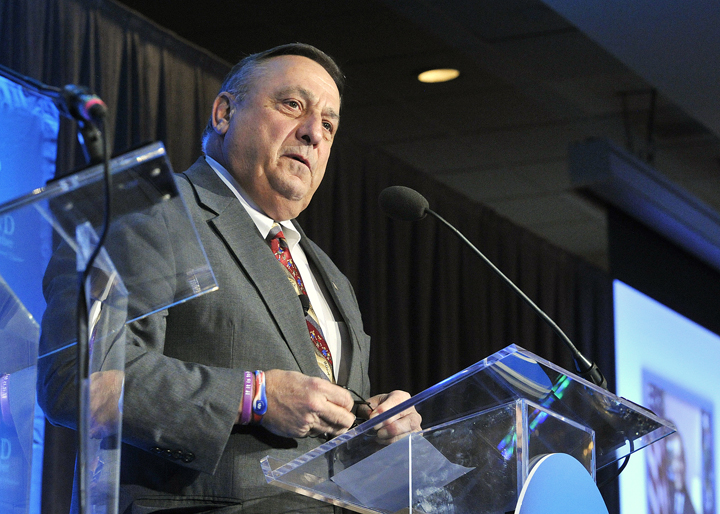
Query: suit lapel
(242, 239)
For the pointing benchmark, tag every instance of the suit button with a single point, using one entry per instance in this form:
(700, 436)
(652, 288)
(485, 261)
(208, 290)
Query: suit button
(156, 449)
(188, 457)
(168, 453)
(177, 454)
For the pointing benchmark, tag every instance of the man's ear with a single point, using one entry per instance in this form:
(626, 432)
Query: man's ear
(222, 111)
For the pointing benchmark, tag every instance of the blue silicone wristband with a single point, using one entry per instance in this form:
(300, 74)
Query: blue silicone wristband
(260, 401)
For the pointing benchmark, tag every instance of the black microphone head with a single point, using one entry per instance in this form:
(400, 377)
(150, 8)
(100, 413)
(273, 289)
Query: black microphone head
(403, 203)
(305, 302)
(82, 104)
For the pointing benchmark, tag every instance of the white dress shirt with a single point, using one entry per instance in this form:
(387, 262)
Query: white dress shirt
(331, 329)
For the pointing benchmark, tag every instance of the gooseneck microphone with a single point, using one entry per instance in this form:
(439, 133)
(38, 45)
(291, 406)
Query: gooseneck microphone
(81, 104)
(405, 204)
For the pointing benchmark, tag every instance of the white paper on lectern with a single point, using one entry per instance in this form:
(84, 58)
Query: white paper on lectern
(381, 481)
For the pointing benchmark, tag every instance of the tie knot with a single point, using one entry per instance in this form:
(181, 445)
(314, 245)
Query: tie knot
(276, 238)
(276, 233)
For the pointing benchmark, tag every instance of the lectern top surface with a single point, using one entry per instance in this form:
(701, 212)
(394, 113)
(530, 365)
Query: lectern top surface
(481, 430)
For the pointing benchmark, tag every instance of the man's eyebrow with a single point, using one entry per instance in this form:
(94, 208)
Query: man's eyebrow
(307, 95)
(330, 113)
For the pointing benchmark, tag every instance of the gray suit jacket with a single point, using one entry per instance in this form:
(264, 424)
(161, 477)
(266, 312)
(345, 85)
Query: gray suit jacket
(184, 366)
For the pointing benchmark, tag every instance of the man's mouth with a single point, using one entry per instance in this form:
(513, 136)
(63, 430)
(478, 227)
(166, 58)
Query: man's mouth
(299, 158)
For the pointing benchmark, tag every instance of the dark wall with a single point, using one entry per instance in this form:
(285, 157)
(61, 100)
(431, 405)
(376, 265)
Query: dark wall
(655, 266)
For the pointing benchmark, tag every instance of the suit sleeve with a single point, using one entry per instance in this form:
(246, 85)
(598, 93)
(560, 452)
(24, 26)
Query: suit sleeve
(178, 410)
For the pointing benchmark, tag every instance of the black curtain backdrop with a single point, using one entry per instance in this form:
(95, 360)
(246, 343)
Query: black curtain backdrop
(430, 305)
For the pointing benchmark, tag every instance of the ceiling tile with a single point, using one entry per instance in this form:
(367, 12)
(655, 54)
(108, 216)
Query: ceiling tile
(587, 239)
(541, 210)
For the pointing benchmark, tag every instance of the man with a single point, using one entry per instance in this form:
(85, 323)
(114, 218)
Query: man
(190, 445)
(678, 497)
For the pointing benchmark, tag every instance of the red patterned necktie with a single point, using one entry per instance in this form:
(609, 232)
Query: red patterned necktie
(279, 247)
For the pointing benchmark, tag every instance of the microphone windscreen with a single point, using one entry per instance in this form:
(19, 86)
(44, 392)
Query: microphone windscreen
(403, 203)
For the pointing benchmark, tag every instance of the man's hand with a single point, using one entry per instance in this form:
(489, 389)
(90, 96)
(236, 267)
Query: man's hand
(398, 426)
(105, 391)
(301, 406)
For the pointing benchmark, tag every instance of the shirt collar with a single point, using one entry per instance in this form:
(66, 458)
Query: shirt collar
(261, 220)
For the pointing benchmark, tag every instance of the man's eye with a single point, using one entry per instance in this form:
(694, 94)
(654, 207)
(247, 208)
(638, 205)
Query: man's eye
(293, 104)
(328, 126)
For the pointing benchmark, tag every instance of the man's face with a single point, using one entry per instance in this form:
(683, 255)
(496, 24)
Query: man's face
(276, 143)
(676, 456)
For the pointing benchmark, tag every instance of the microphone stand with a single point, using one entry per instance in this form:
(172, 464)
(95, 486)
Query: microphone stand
(88, 110)
(83, 347)
(585, 367)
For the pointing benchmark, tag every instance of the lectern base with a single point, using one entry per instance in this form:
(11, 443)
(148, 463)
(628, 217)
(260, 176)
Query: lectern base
(559, 483)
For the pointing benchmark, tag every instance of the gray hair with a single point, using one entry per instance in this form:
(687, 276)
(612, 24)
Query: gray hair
(240, 79)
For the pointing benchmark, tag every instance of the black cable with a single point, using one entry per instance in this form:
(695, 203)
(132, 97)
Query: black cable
(626, 122)
(621, 468)
(650, 150)
(616, 474)
(30, 83)
(83, 350)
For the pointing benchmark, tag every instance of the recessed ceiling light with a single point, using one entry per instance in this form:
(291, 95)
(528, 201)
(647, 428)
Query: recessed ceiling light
(438, 75)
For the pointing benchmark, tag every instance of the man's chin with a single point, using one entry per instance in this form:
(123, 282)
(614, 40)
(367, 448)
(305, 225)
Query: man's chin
(293, 196)
(285, 206)
(293, 188)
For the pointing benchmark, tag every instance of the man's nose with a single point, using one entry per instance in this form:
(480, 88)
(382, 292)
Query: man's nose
(311, 129)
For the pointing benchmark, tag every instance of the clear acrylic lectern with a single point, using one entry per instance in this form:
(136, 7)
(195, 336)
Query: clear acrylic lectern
(57, 228)
(482, 430)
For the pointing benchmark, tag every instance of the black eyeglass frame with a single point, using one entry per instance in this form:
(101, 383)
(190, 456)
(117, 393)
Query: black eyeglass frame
(361, 401)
